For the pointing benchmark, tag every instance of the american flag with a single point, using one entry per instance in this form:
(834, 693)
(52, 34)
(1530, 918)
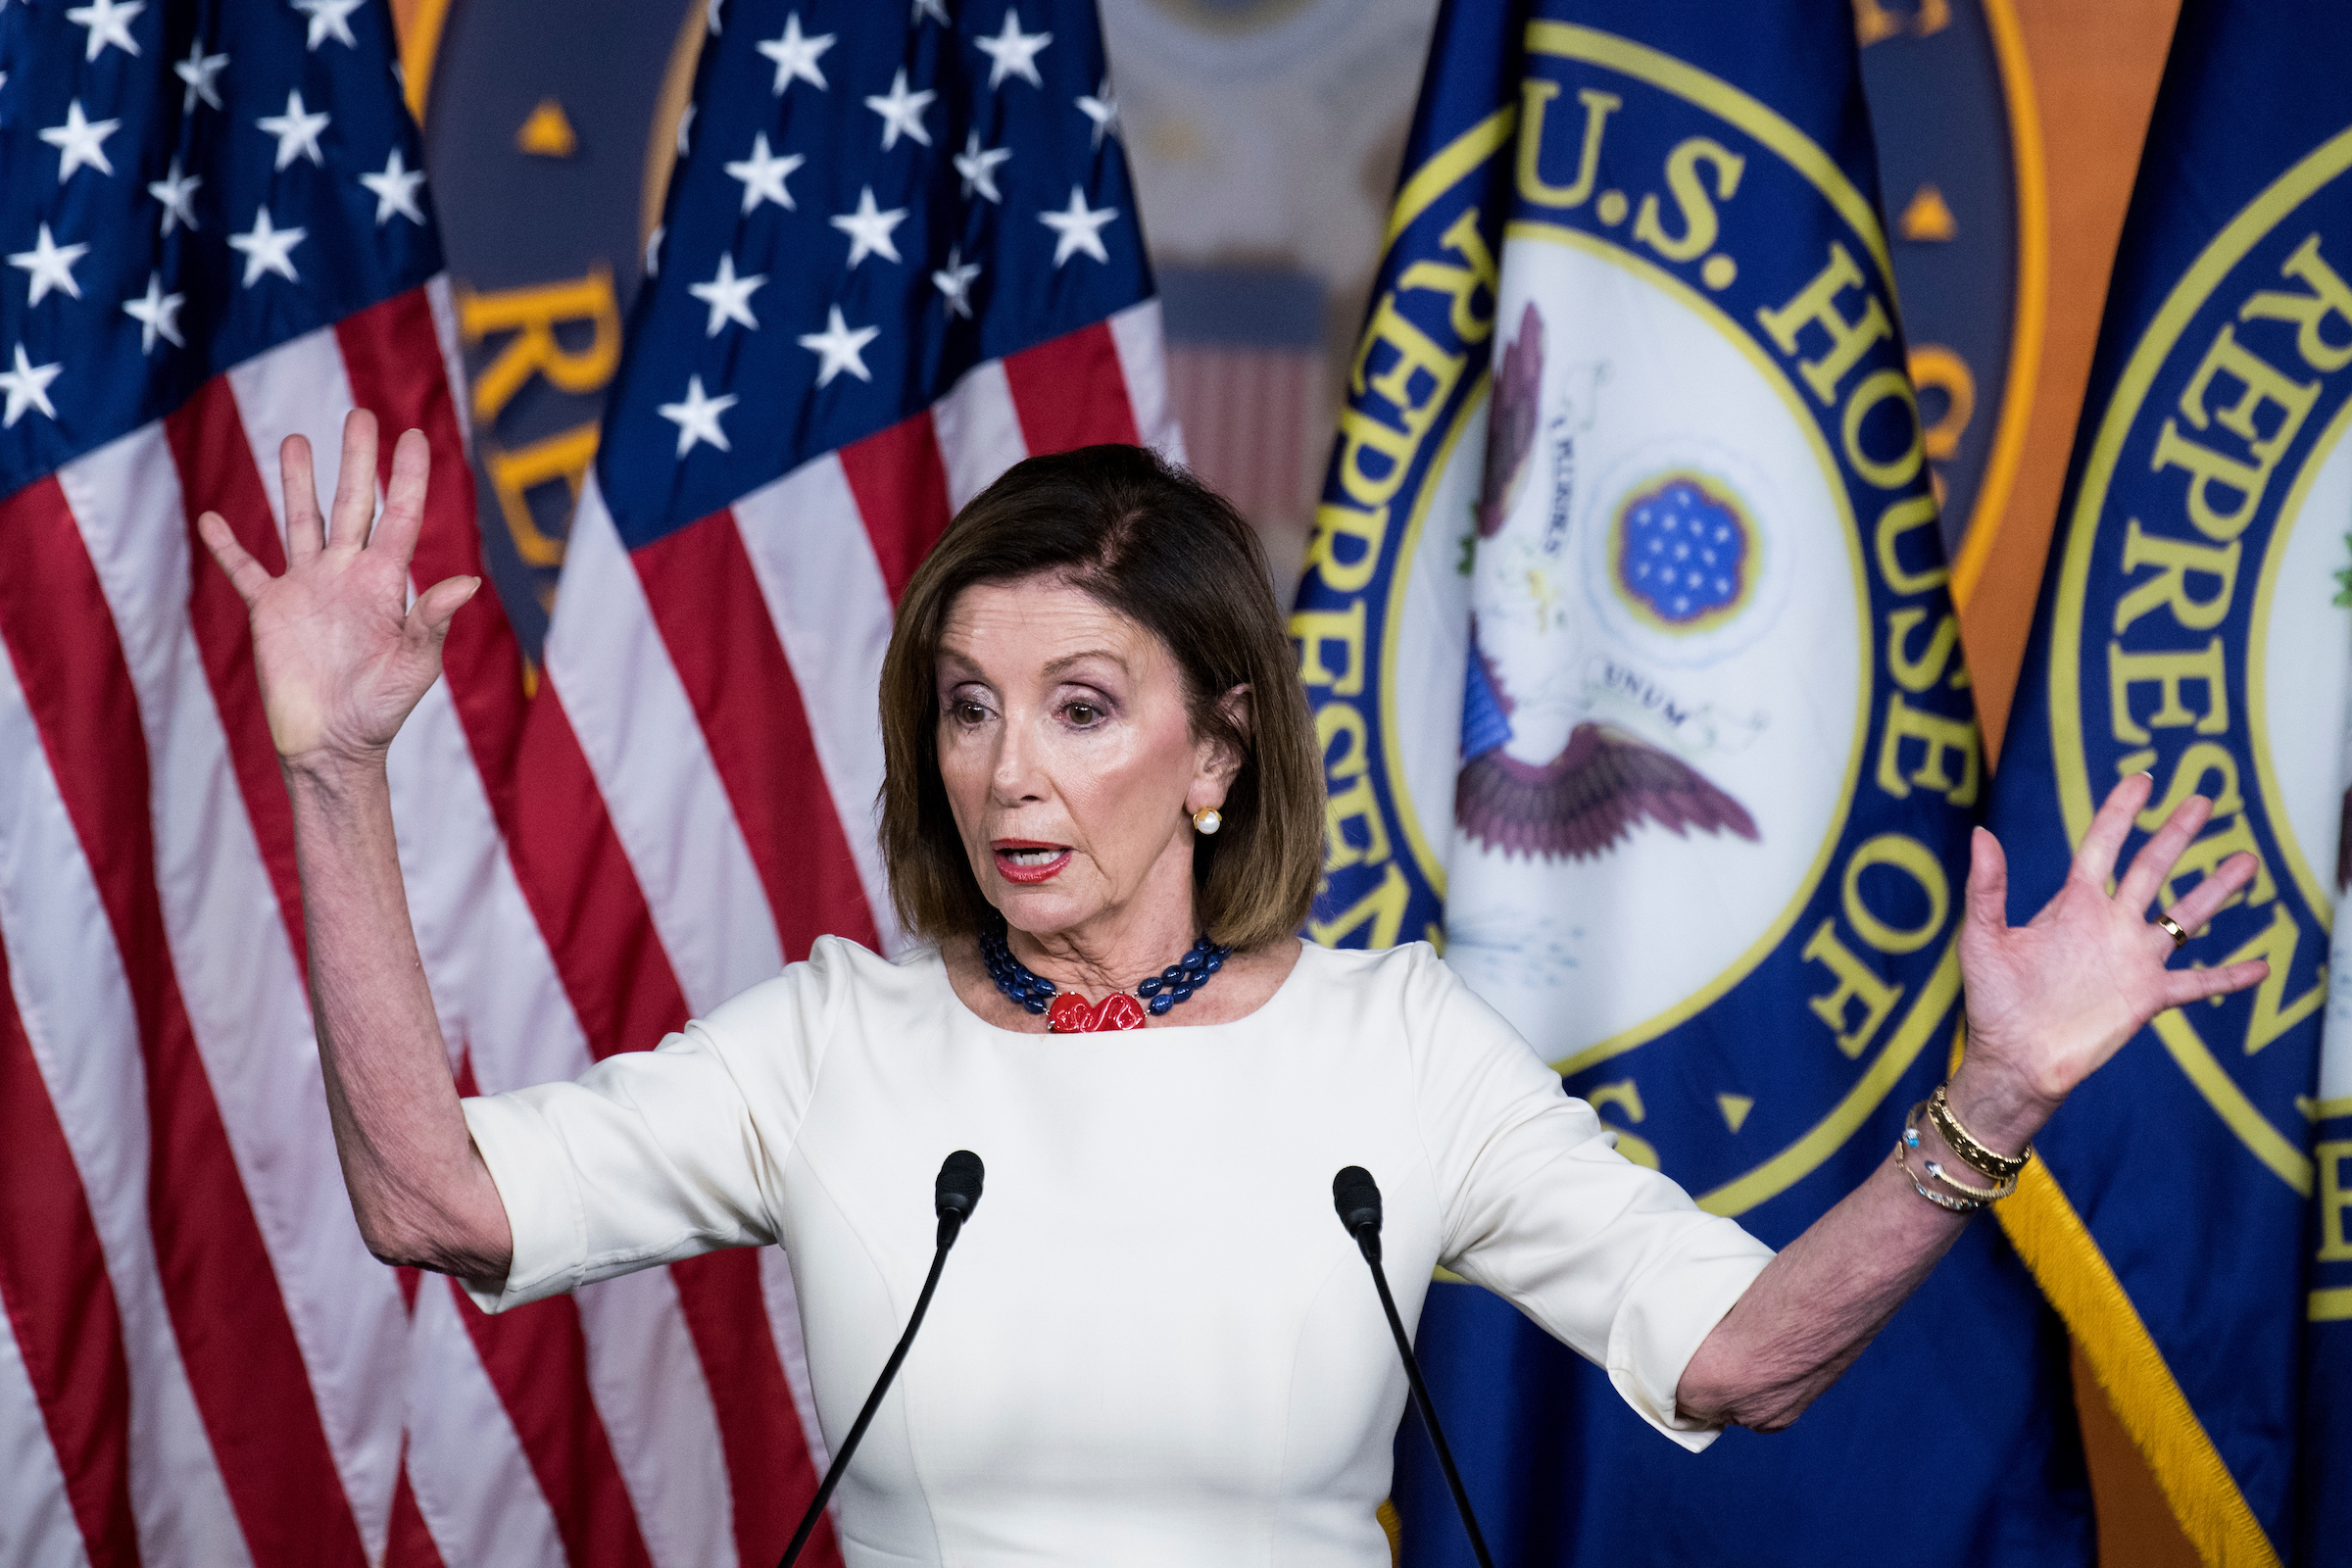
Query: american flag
(900, 252)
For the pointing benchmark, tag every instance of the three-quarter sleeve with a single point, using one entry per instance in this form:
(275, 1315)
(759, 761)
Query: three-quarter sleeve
(1611, 1259)
(655, 1155)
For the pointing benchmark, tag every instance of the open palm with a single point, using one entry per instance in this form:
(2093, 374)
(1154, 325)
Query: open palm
(2051, 1001)
(342, 654)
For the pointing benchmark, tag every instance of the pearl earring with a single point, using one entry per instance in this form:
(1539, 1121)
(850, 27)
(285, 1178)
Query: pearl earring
(1207, 820)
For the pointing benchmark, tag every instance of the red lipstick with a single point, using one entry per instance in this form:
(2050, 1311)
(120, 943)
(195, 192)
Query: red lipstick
(1038, 861)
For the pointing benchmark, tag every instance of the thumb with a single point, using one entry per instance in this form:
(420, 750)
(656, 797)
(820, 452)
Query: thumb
(248, 575)
(429, 616)
(1987, 883)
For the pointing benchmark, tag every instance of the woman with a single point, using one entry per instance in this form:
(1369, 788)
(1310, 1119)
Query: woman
(1102, 808)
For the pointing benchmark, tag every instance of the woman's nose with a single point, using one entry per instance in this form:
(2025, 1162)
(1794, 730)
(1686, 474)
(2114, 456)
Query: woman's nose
(1019, 776)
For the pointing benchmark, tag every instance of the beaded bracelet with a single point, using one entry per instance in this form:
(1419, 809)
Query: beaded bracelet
(1983, 1194)
(1998, 1167)
(1958, 1206)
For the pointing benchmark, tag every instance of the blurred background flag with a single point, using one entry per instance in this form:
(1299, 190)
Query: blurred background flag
(901, 254)
(2191, 1220)
(216, 235)
(1639, 688)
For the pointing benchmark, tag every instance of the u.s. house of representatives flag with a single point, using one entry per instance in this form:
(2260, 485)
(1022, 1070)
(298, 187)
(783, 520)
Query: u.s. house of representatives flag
(2194, 1223)
(901, 255)
(1639, 688)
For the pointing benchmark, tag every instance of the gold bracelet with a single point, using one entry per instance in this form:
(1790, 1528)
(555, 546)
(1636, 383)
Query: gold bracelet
(1999, 1167)
(1958, 1206)
(1983, 1194)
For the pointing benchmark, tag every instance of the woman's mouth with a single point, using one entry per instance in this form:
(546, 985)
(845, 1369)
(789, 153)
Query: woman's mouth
(1027, 861)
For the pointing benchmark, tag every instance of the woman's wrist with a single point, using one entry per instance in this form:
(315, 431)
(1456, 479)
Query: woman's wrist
(334, 771)
(2000, 1111)
(338, 788)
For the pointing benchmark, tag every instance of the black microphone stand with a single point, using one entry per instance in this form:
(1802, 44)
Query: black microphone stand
(1356, 1197)
(955, 1196)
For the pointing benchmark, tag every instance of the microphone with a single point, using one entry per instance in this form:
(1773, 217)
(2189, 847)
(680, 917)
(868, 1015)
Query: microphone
(1356, 1197)
(953, 1196)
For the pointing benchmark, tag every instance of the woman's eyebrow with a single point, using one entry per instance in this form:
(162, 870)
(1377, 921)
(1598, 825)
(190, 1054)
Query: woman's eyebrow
(1061, 666)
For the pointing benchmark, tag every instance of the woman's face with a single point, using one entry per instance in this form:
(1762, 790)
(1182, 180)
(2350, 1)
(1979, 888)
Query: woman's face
(1068, 757)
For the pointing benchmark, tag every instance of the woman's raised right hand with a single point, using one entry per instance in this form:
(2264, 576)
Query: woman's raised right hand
(342, 654)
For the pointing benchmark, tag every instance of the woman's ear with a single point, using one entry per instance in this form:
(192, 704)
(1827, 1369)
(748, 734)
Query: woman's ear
(1235, 707)
(1218, 757)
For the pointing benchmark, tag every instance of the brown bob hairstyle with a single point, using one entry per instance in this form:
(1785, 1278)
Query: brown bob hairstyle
(1154, 544)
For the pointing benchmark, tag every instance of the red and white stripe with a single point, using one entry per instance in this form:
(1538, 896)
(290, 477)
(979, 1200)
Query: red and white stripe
(199, 1361)
(1256, 419)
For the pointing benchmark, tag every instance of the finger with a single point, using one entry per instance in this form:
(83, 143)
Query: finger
(429, 616)
(354, 484)
(305, 531)
(2185, 986)
(2154, 861)
(2206, 898)
(1987, 883)
(404, 498)
(2095, 859)
(245, 574)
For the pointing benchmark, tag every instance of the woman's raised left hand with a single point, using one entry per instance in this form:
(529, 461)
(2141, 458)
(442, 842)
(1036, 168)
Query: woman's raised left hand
(2051, 1001)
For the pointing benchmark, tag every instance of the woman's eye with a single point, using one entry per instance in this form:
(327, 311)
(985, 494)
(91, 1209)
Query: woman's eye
(969, 712)
(1082, 714)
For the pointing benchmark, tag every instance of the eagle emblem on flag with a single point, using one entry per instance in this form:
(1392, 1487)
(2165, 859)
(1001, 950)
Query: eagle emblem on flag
(1688, 567)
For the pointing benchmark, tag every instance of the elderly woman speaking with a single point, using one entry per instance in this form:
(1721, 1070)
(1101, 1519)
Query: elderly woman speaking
(1103, 816)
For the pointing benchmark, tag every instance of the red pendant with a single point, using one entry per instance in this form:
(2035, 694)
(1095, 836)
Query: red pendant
(1070, 1015)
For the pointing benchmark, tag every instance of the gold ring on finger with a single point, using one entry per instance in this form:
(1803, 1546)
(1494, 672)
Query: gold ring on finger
(2172, 928)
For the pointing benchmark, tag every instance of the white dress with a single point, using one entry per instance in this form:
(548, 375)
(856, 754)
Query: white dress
(1154, 1343)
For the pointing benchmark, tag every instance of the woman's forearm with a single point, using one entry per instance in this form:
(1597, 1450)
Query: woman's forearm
(343, 655)
(419, 1188)
(1821, 1301)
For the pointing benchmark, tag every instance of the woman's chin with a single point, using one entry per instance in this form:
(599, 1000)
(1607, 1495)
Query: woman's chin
(1040, 909)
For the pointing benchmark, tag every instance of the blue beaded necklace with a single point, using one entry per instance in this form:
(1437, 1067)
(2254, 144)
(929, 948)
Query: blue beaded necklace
(1038, 995)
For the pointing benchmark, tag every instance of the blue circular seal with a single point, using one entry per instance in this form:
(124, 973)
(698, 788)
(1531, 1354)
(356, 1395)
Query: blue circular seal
(1682, 554)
